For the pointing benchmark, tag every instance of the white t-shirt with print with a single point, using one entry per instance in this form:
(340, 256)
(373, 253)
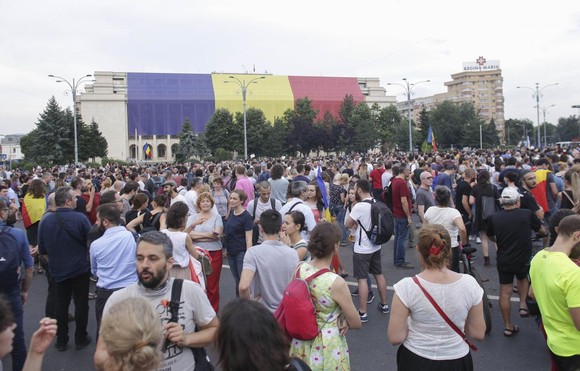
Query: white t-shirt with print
(194, 310)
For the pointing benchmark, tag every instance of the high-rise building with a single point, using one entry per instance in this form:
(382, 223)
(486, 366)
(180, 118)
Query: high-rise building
(480, 83)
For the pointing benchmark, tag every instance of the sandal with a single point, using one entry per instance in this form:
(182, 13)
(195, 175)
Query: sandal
(509, 333)
(524, 313)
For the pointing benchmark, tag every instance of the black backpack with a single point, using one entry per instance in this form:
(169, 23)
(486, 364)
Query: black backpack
(9, 259)
(387, 196)
(382, 223)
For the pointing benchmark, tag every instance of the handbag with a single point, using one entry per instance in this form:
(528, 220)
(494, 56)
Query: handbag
(444, 316)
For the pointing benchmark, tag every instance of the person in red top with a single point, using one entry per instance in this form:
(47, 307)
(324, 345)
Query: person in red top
(402, 213)
(376, 180)
(92, 199)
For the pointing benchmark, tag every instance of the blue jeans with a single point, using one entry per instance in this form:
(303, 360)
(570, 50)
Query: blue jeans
(19, 347)
(339, 212)
(401, 236)
(236, 263)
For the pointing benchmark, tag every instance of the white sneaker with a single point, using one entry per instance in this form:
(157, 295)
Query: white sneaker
(478, 240)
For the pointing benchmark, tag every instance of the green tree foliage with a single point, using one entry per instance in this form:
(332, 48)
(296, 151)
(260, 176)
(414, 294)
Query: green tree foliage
(200, 149)
(389, 118)
(365, 132)
(52, 142)
(257, 128)
(515, 130)
(490, 134)
(423, 124)
(220, 131)
(568, 129)
(301, 136)
(275, 140)
(92, 143)
(187, 142)
(52, 137)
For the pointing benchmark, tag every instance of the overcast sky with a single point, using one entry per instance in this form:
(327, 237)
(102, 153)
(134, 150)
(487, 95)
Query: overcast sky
(422, 39)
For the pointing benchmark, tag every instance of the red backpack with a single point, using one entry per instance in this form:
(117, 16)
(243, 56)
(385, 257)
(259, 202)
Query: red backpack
(296, 313)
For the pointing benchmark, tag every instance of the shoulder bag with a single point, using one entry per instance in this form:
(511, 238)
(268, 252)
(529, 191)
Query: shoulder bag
(444, 316)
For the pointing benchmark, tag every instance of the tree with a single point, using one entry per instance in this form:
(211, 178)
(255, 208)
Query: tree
(490, 135)
(424, 123)
(200, 149)
(275, 140)
(92, 143)
(220, 131)
(257, 127)
(343, 132)
(366, 134)
(51, 141)
(301, 136)
(515, 129)
(568, 129)
(389, 117)
(187, 142)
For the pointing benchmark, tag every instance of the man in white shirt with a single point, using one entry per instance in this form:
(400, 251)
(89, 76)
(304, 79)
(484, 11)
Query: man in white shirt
(170, 188)
(261, 204)
(387, 175)
(367, 256)
(296, 203)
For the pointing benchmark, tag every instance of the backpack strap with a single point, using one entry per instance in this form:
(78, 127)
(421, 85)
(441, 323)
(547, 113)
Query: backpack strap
(293, 206)
(273, 203)
(361, 226)
(255, 207)
(174, 306)
(175, 297)
(312, 276)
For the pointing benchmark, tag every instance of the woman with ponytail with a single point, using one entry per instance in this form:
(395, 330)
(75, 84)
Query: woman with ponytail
(133, 337)
(427, 341)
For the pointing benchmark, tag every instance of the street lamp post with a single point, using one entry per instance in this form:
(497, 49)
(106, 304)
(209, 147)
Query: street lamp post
(73, 89)
(544, 109)
(537, 94)
(408, 91)
(244, 89)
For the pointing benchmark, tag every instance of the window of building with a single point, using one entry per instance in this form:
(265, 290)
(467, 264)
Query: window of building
(133, 151)
(161, 151)
(174, 149)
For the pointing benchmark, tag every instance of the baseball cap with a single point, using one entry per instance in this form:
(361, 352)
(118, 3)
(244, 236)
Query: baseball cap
(511, 194)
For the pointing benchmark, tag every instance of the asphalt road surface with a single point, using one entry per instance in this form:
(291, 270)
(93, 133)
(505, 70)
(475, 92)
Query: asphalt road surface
(369, 347)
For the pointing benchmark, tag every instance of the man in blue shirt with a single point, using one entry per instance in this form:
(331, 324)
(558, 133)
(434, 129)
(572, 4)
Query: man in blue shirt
(112, 257)
(62, 236)
(11, 288)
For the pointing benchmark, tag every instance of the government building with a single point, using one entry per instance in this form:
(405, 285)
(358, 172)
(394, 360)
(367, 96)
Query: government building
(138, 109)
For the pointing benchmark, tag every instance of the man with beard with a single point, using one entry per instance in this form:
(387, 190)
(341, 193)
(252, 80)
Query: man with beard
(112, 257)
(170, 189)
(154, 261)
(402, 212)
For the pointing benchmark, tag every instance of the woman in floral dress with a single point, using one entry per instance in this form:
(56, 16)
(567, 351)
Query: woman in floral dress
(335, 310)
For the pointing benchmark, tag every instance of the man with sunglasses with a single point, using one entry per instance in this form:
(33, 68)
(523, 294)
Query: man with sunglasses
(425, 194)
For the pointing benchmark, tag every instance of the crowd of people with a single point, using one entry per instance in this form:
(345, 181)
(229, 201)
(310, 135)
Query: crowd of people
(154, 238)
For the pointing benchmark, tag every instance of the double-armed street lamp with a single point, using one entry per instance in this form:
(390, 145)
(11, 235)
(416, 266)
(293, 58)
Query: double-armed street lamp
(408, 91)
(537, 94)
(544, 109)
(73, 90)
(244, 89)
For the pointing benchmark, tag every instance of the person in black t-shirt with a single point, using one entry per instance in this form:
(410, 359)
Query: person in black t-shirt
(511, 230)
(462, 193)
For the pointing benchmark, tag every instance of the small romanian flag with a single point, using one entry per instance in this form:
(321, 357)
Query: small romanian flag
(148, 149)
(431, 139)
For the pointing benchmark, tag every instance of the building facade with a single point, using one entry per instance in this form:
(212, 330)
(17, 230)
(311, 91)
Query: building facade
(10, 149)
(480, 83)
(136, 111)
